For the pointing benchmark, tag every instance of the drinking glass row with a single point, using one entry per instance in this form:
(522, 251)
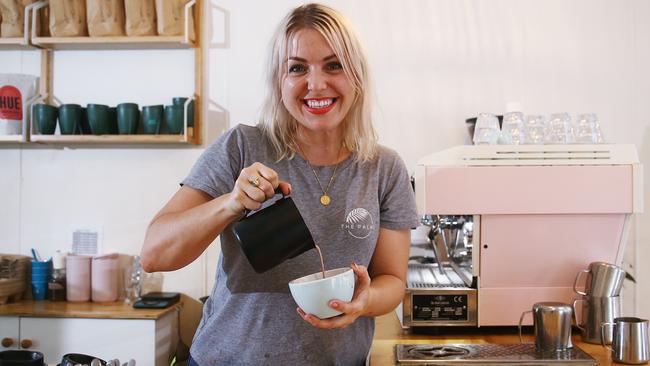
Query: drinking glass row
(518, 129)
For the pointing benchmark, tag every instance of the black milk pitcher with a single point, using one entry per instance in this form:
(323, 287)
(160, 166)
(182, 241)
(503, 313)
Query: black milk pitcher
(273, 234)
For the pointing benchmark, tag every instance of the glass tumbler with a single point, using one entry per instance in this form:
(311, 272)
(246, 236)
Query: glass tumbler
(535, 130)
(512, 129)
(559, 129)
(587, 129)
(487, 129)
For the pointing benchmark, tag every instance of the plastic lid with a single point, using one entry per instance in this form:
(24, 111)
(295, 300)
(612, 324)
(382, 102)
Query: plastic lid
(58, 260)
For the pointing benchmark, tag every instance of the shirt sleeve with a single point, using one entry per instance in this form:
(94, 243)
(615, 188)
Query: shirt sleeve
(218, 167)
(397, 208)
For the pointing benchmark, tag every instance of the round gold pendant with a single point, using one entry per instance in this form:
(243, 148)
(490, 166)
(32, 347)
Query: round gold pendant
(325, 200)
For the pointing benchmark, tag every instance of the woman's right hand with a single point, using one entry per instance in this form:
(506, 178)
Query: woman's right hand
(255, 184)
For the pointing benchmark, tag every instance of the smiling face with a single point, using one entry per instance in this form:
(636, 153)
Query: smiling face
(315, 89)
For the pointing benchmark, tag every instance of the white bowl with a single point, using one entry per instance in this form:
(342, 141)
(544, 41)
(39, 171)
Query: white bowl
(313, 292)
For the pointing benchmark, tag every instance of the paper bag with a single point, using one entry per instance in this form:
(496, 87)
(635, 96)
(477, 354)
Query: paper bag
(16, 90)
(170, 17)
(140, 17)
(68, 18)
(43, 25)
(105, 17)
(13, 17)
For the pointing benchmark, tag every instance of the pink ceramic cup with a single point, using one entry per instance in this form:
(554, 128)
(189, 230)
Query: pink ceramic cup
(78, 278)
(104, 278)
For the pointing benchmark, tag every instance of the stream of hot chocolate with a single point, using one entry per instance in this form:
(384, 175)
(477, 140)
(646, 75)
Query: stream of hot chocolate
(322, 264)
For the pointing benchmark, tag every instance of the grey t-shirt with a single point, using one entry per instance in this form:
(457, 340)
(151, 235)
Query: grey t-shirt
(250, 318)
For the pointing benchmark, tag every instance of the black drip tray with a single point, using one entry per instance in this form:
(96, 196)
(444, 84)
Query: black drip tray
(487, 354)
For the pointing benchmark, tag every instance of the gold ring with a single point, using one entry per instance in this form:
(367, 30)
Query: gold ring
(254, 181)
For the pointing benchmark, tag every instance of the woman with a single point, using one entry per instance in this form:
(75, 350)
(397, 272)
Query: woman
(316, 142)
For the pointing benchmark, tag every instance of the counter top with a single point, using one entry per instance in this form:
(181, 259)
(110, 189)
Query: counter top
(65, 309)
(388, 332)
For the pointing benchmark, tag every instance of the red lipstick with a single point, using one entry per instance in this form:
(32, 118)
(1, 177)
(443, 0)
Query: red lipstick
(319, 110)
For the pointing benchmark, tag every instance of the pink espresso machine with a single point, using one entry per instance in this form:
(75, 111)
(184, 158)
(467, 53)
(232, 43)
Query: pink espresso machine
(512, 225)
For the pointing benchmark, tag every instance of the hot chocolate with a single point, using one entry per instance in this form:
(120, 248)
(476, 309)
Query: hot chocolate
(322, 264)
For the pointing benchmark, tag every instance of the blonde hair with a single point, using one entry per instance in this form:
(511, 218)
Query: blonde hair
(275, 120)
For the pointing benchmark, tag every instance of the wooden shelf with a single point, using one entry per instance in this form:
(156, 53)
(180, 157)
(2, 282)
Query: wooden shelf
(11, 139)
(48, 47)
(113, 43)
(113, 139)
(14, 44)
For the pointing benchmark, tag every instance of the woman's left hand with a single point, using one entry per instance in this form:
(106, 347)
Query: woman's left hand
(351, 310)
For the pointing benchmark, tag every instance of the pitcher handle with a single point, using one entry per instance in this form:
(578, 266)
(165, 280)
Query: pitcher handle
(575, 283)
(602, 335)
(521, 319)
(247, 212)
(575, 314)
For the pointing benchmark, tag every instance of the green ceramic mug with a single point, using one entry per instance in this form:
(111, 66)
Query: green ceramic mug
(180, 101)
(98, 119)
(152, 116)
(83, 128)
(69, 118)
(128, 116)
(174, 119)
(45, 117)
(112, 120)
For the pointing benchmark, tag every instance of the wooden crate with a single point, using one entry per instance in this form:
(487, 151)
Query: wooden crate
(14, 277)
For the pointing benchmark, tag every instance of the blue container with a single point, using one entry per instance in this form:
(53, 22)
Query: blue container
(39, 290)
(41, 267)
(46, 265)
(36, 277)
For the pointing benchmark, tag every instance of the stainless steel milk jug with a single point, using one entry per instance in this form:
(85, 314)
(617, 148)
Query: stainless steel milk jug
(552, 324)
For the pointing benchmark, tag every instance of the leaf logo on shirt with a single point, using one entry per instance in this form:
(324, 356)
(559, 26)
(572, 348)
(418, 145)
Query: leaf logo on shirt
(359, 223)
(357, 215)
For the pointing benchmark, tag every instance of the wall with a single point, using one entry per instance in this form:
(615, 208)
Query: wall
(435, 63)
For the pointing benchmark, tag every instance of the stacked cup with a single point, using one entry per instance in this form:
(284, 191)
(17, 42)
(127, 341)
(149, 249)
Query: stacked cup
(486, 130)
(103, 276)
(78, 278)
(601, 300)
(41, 275)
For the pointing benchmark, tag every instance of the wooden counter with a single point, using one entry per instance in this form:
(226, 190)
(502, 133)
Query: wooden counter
(97, 310)
(388, 332)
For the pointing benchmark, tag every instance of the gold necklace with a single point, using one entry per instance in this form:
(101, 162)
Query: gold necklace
(325, 199)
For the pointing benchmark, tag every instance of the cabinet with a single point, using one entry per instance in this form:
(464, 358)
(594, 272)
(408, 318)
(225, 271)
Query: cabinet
(54, 329)
(9, 333)
(50, 45)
